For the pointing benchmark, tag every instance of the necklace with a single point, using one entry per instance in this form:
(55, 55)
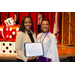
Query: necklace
(44, 36)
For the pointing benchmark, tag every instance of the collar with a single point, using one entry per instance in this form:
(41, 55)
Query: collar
(30, 31)
(45, 33)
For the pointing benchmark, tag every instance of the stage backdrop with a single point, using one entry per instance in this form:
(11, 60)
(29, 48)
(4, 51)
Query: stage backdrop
(34, 16)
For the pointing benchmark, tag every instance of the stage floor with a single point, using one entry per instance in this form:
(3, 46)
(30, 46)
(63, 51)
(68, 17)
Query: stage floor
(64, 51)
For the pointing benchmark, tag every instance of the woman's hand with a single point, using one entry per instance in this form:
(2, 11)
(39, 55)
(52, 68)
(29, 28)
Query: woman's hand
(31, 58)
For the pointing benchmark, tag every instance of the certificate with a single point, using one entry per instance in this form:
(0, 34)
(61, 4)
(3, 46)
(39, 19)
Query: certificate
(33, 49)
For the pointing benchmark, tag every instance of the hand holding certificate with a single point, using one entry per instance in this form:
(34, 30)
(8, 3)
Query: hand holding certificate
(33, 49)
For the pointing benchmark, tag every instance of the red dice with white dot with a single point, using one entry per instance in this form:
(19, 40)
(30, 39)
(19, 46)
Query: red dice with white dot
(12, 32)
(2, 33)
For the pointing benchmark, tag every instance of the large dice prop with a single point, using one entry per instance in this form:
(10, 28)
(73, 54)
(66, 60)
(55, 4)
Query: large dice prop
(8, 33)
(2, 33)
(7, 48)
(9, 22)
(8, 38)
(12, 32)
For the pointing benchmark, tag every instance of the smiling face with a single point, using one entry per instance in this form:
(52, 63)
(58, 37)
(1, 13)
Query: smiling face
(27, 23)
(45, 26)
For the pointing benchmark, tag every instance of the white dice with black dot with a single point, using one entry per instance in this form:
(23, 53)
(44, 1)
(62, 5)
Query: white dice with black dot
(9, 21)
(7, 47)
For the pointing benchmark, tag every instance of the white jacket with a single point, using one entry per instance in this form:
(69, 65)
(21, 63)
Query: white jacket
(49, 45)
(22, 38)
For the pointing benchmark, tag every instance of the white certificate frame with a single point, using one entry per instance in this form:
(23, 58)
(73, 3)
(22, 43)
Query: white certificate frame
(29, 46)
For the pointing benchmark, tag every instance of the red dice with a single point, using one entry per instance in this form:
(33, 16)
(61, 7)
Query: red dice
(8, 33)
(2, 33)
(13, 32)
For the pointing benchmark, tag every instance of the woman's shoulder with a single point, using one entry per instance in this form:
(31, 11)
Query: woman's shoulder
(34, 33)
(20, 33)
(52, 36)
(39, 35)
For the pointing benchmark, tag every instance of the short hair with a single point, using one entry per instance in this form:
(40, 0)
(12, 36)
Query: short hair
(46, 19)
(22, 27)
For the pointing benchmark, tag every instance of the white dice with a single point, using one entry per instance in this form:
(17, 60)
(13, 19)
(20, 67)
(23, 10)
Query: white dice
(7, 48)
(9, 21)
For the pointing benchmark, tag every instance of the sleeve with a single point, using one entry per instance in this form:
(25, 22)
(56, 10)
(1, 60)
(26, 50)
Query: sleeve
(35, 35)
(18, 47)
(54, 52)
(37, 38)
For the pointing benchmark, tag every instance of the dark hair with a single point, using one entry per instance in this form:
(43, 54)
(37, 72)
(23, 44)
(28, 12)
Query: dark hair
(46, 19)
(22, 27)
(40, 12)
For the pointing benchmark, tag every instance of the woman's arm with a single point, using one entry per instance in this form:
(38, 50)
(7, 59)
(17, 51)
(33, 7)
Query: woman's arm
(18, 46)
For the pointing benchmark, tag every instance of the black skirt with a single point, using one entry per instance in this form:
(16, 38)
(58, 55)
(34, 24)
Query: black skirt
(35, 60)
(19, 60)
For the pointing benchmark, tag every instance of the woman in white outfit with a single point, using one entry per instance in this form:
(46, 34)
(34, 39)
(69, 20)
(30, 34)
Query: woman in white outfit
(49, 43)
